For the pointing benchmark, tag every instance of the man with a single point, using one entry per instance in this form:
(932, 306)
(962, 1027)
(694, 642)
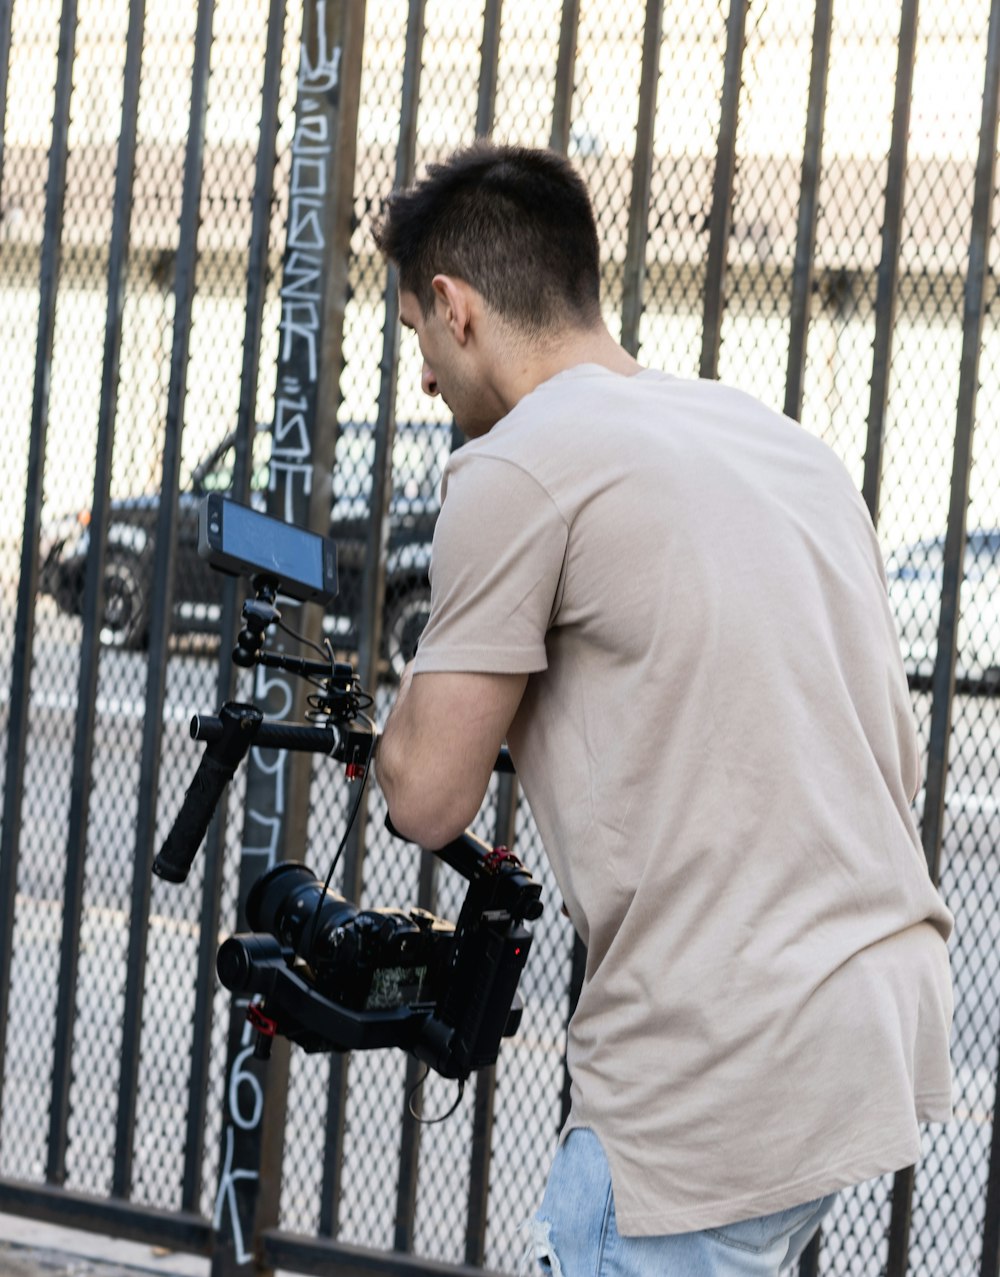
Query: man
(669, 600)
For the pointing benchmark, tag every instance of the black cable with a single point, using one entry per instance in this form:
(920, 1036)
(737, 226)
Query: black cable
(431, 1121)
(343, 842)
(326, 650)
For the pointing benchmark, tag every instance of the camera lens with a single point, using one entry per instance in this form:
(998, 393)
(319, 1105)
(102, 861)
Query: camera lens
(242, 962)
(285, 901)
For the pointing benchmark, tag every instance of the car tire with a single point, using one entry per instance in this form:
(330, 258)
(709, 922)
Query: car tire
(405, 619)
(125, 604)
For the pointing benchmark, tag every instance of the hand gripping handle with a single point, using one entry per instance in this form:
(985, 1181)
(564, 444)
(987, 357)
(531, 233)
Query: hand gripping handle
(215, 771)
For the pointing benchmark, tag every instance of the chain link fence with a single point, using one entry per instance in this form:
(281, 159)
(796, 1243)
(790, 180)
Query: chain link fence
(798, 199)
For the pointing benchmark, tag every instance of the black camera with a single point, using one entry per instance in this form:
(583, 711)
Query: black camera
(318, 970)
(366, 960)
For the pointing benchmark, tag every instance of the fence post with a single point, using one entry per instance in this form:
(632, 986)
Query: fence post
(805, 239)
(642, 177)
(888, 266)
(373, 587)
(24, 622)
(313, 300)
(211, 904)
(720, 217)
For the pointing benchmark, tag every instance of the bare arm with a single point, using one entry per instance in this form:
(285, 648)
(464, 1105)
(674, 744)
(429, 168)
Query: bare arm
(438, 748)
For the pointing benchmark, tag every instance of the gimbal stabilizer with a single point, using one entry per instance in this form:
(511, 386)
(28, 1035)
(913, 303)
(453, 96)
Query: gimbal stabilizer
(321, 972)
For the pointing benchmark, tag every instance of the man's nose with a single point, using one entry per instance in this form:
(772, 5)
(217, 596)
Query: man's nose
(428, 382)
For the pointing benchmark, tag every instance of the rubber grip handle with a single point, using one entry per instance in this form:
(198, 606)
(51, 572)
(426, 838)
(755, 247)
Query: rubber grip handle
(201, 798)
(318, 739)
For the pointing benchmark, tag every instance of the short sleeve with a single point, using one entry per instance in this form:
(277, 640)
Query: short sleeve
(496, 570)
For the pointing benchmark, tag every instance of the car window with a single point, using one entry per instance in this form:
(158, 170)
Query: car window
(982, 559)
(920, 562)
(215, 474)
(419, 454)
(924, 561)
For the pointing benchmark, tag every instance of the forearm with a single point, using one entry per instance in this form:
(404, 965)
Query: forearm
(437, 750)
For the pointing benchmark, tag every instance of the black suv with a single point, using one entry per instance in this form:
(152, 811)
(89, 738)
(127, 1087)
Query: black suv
(128, 582)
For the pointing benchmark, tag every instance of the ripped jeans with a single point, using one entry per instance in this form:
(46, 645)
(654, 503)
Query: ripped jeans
(574, 1232)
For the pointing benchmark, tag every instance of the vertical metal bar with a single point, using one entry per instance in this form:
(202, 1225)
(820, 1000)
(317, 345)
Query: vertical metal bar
(55, 200)
(809, 1263)
(578, 969)
(943, 678)
(990, 1266)
(10, 828)
(943, 682)
(373, 585)
(887, 288)
(504, 835)
(489, 69)
(308, 401)
(805, 238)
(722, 190)
(256, 293)
(93, 588)
(24, 622)
(479, 1169)
(409, 1139)
(642, 178)
(887, 291)
(562, 102)
(314, 296)
(898, 1260)
(6, 28)
(163, 559)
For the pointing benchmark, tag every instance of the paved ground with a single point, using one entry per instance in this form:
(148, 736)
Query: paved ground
(19, 1261)
(30, 1249)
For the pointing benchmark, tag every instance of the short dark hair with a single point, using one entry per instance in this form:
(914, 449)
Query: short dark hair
(513, 222)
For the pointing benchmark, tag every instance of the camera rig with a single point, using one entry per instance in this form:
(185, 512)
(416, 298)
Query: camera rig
(318, 970)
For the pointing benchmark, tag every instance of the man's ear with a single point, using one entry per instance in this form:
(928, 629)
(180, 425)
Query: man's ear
(455, 301)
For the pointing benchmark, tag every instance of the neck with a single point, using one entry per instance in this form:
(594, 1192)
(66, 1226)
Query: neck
(524, 363)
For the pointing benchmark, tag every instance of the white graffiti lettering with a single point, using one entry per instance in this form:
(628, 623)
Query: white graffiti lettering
(308, 175)
(300, 323)
(226, 1201)
(300, 320)
(312, 132)
(302, 270)
(305, 223)
(322, 75)
(291, 430)
(269, 849)
(241, 1077)
(291, 471)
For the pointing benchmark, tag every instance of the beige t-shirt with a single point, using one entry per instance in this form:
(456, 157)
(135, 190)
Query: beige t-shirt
(717, 745)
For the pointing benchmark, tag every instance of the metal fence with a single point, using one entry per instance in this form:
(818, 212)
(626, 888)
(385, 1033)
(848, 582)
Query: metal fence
(796, 198)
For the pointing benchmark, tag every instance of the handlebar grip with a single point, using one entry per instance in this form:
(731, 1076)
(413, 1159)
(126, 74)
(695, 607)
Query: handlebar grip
(200, 801)
(316, 739)
(236, 728)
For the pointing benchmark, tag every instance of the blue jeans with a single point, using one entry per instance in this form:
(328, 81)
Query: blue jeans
(574, 1232)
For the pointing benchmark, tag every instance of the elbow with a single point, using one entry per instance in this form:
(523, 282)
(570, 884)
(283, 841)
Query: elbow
(430, 824)
(424, 808)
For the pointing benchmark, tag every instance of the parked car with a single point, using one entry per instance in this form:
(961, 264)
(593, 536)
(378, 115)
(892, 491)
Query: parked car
(915, 575)
(128, 582)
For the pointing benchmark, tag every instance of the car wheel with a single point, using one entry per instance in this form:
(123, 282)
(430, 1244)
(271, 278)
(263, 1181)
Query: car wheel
(125, 605)
(405, 619)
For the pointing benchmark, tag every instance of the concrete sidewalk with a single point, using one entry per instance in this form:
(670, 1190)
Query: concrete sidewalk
(31, 1249)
